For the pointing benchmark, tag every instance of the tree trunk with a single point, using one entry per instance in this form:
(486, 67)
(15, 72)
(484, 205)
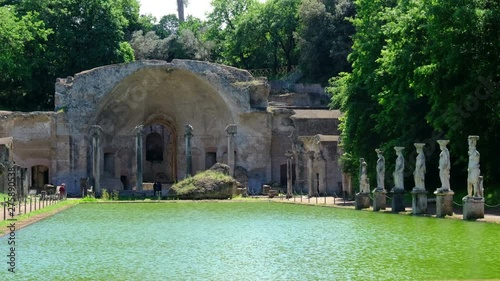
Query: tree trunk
(180, 10)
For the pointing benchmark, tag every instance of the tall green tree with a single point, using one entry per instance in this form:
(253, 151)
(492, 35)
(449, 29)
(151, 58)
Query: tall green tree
(22, 41)
(324, 38)
(85, 34)
(422, 70)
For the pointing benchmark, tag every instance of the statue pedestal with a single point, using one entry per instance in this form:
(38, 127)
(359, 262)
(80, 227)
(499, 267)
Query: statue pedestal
(362, 201)
(379, 199)
(444, 203)
(473, 208)
(419, 201)
(397, 202)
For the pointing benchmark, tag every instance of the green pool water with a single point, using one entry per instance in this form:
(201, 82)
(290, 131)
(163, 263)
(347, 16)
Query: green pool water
(249, 241)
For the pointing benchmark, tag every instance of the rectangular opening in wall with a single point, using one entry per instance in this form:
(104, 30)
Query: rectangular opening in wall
(210, 159)
(109, 164)
(124, 181)
(283, 175)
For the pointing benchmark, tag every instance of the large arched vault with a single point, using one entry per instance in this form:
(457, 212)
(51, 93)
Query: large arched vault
(163, 97)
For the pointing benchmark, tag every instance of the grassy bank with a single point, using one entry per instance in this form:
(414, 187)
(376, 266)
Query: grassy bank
(27, 219)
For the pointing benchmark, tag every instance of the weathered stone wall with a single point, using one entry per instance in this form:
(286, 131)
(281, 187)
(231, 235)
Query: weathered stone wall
(207, 96)
(325, 164)
(282, 128)
(166, 97)
(34, 142)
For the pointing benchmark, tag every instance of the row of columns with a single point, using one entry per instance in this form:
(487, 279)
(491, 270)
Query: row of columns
(310, 170)
(473, 202)
(96, 133)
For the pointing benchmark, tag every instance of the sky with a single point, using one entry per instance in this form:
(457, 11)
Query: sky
(159, 8)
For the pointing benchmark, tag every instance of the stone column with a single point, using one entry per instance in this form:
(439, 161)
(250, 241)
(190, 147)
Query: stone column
(189, 158)
(231, 130)
(289, 173)
(95, 133)
(139, 134)
(474, 201)
(419, 194)
(444, 194)
(310, 169)
(379, 193)
(397, 202)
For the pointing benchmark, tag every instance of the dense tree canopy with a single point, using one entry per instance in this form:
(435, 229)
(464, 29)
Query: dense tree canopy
(324, 38)
(422, 71)
(76, 35)
(403, 70)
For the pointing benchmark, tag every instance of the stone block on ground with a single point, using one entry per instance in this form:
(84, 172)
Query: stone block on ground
(473, 208)
(362, 201)
(419, 202)
(379, 200)
(444, 204)
(397, 202)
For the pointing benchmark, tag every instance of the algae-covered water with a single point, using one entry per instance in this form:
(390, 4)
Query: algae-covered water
(249, 241)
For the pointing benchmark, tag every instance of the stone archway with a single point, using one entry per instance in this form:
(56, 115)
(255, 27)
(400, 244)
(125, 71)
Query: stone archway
(160, 147)
(163, 102)
(207, 96)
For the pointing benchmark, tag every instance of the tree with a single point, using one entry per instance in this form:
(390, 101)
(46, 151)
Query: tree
(252, 35)
(84, 35)
(180, 9)
(222, 23)
(324, 38)
(168, 25)
(20, 52)
(282, 19)
(415, 79)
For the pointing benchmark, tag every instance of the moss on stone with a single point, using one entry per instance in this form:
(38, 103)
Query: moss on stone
(210, 184)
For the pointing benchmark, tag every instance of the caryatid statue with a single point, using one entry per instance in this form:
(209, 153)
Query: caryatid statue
(400, 167)
(419, 173)
(473, 169)
(380, 169)
(364, 184)
(444, 165)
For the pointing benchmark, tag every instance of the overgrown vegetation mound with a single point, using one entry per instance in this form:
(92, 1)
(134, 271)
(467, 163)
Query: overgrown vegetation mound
(210, 184)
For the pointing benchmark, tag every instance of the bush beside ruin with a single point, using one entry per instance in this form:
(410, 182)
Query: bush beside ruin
(210, 184)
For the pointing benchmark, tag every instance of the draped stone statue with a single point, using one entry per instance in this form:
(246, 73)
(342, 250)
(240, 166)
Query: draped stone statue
(364, 184)
(400, 167)
(380, 169)
(473, 169)
(420, 170)
(444, 165)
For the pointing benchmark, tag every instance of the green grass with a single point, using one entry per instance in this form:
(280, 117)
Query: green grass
(47, 209)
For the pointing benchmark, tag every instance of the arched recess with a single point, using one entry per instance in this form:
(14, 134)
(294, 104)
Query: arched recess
(154, 147)
(160, 134)
(170, 98)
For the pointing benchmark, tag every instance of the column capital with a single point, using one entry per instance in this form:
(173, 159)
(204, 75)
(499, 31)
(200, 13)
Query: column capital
(443, 143)
(231, 129)
(289, 154)
(188, 130)
(310, 154)
(95, 131)
(139, 130)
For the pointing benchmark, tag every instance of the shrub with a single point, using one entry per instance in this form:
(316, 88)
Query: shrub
(105, 194)
(209, 184)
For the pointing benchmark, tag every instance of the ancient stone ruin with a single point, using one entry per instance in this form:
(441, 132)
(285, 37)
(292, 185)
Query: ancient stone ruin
(91, 137)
